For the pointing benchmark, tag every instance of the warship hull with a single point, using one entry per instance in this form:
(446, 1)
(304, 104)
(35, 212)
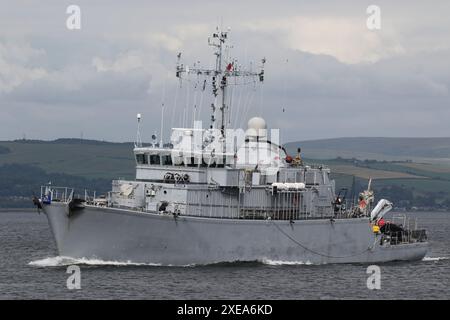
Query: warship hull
(115, 234)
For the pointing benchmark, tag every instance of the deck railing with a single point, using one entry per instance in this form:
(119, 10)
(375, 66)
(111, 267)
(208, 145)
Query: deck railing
(409, 232)
(59, 194)
(286, 205)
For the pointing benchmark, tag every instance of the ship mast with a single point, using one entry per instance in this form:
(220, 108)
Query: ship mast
(219, 76)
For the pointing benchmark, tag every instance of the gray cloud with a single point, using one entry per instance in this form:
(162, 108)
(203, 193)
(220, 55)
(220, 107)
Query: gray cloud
(330, 75)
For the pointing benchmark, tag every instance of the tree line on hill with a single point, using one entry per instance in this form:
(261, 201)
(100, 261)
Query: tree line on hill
(19, 182)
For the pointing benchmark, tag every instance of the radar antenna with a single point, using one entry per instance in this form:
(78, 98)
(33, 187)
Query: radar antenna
(224, 69)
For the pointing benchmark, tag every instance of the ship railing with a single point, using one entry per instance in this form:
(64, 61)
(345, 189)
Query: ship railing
(92, 198)
(288, 205)
(89, 195)
(51, 193)
(410, 233)
(207, 204)
(409, 223)
(285, 205)
(317, 166)
(404, 237)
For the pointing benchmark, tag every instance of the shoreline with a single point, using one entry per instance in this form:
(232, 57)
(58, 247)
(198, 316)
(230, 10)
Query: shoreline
(393, 211)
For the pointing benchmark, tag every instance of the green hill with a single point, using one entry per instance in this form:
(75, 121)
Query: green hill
(417, 149)
(419, 174)
(405, 183)
(83, 158)
(25, 165)
(411, 172)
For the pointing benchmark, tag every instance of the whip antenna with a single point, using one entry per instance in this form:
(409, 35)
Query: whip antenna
(138, 142)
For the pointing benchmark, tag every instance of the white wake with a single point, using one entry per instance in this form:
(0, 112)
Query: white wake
(285, 263)
(59, 261)
(435, 258)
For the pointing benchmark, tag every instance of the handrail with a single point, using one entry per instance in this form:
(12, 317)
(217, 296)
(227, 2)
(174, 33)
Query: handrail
(51, 193)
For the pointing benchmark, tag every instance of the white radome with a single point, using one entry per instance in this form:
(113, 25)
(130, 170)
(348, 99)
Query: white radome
(256, 123)
(256, 127)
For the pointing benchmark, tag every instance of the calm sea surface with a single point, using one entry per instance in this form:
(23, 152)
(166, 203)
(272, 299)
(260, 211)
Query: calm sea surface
(31, 269)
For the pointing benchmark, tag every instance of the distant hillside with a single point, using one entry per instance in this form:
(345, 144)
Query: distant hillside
(423, 182)
(375, 148)
(69, 141)
(25, 165)
(18, 182)
(83, 158)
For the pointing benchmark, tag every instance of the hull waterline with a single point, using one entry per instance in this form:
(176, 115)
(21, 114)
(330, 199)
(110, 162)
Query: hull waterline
(113, 234)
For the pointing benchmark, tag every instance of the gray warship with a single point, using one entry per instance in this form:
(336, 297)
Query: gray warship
(214, 195)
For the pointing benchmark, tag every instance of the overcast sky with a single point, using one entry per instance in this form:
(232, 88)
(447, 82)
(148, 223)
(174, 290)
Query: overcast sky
(332, 76)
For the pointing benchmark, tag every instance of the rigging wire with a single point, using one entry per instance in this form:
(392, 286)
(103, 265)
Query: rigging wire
(204, 86)
(285, 86)
(230, 104)
(323, 254)
(247, 108)
(186, 106)
(238, 107)
(244, 108)
(177, 86)
(284, 96)
(201, 99)
(163, 100)
(261, 93)
(194, 105)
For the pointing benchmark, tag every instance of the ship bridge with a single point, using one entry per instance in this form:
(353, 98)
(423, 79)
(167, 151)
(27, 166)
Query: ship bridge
(197, 150)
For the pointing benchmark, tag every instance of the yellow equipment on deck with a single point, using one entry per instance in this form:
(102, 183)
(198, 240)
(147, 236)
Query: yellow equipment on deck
(376, 229)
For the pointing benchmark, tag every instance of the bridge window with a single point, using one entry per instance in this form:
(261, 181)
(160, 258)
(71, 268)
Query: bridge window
(192, 162)
(141, 159)
(154, 159)
(166, 160)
